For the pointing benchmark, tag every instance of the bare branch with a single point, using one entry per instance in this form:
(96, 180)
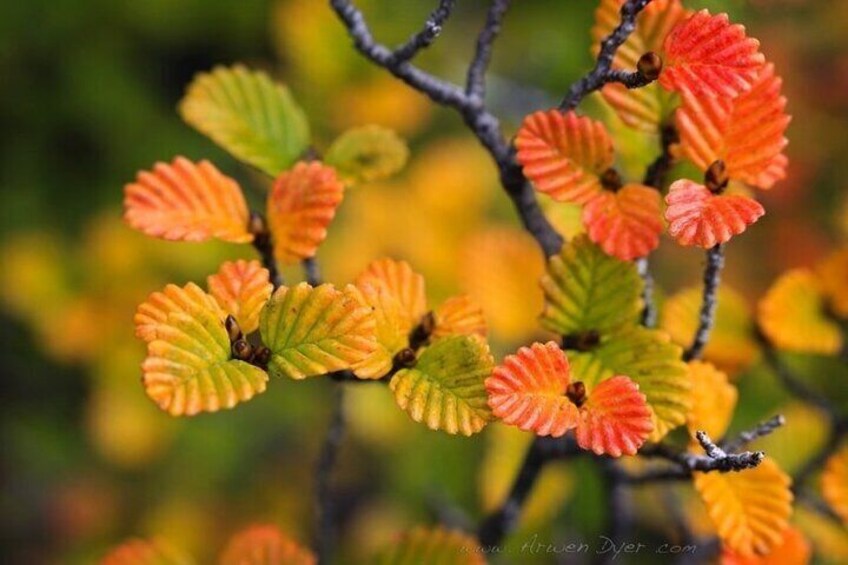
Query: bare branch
(264, 245)
(762, 429)
(475, 86)
(709, 302)
(658, 170)
(424, 38)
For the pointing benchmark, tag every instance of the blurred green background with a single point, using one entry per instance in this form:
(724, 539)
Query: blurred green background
(89, 95)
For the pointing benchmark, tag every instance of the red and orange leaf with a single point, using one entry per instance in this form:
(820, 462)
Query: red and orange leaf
(459, 315)
(152, 314)
(404, 284)
(707, 55)
(834, 483)
(187, 201)
(746, 132)
(528, 390)
(264, 545)
(564, 154)
(144, 552)
(301, 205)
(793, 549)
(627, 223)
(696, 216)
(833, 279)
(749, 508)
(241, 288)
(616, 419)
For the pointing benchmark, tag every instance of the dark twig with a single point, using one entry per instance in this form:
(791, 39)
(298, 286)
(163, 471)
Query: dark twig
(264, 245)
(658, 170)
(324, 515)
(709, 302)
(312, 271)
(475, 86)
(649, 311)
(424, 38)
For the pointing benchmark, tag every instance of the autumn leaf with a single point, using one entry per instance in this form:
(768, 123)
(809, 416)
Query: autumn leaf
(564, 154)
(459, 315)
(697, 217)
(301, 205)
(832, 275)
(626, 223)
(367, 154)
(187, 201)
(153, 312)
(713, 400)
(834, 483)
(241, 289)
(793, 549)
(264, 545)
(707, 55)
(315, 331)
(422, 545)
(444, 389)
(401, 282)
(145, 552)
(616, 419)
(248, 114)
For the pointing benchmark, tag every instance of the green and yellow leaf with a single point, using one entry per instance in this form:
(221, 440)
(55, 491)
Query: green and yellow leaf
(241, 289)
(152, 314)
(264, 545)
(425, 546)
(367, 154)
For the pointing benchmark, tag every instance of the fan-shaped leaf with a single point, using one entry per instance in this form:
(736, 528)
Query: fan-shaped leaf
(696, 216)
(528, 390)
(393, 327)
(445, 390)
(564, 154)
(404, 284)
(793, 549)
(187, 201)
(616, 419)
(315, 331)
(249, 115)
(264, 545)
(707, 55)
(713, 400)
(144, 552)
(367, 154)
(153, 312)
(750, 508)
(627, 223)
(746, 132)
(731, 347)
(792, 315)
(241, 288)
(650, 360)
(301, 205)
(459, 315)
(421, 546)
(833, 279)
(834, 483)
(587, 290)
(188, 368)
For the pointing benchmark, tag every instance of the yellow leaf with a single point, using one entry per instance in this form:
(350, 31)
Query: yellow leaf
(392, 330)
(402, 283)
(241, 288)
(833, 278)
(153, 313)
(793, 549)
(713, 400)
(834, 482)
(459, 315)
(264, 545)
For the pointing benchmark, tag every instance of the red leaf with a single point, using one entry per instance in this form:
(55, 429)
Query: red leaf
(696, 216)
(707, 55)
(627, 223)
(616, 419)
(564, 154)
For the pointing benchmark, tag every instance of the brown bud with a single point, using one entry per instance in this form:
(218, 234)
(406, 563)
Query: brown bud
(576, 393)
(233, 329)
(256, 225)
(420, 335)
(404, 358)
(650, 65)
(716, 178)
(585, 341)
(611, 180)
(261, 357)
(242, 350)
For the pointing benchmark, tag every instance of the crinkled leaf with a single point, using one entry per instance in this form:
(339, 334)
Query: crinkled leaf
(392, 330)
(459, 315)
(792, 315)
(315, 331)
(404, 284)
(652, 361)
(145, 552)
(749, 508)
(264, 545)
(746, 132)
(793, 549)
(564, 154)
(616, 419)
(587, 290)
(713, 400)
(188, 368)
(731, 345)
(367, 154)
(241, 288)
(445, 390)
(187, 201)
(153, 312)
(301, 205)
(698, 217)
(421, 546)
(707, 55)
(249, 115)
(834, 483)
(626, 223)
(833, 279)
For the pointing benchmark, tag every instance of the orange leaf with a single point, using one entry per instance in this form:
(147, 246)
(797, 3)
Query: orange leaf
(404, 284)
(713, 400)
(564, 154)
(144, 552)
(264, 545)
(152, 314)
(746, 132)
(187, 201)
(707, 55)
(627, 223)
(696, 216)
(834, 483)
(459, 315)
(793, 549)
(528, 390)
(616, 419)
(301, 205)
(241, 288)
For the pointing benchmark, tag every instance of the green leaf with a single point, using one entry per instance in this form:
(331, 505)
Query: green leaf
(445, 390)
(367, 154)
(652, 361)
(252, 117)
(315, 331)
(587, 290)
